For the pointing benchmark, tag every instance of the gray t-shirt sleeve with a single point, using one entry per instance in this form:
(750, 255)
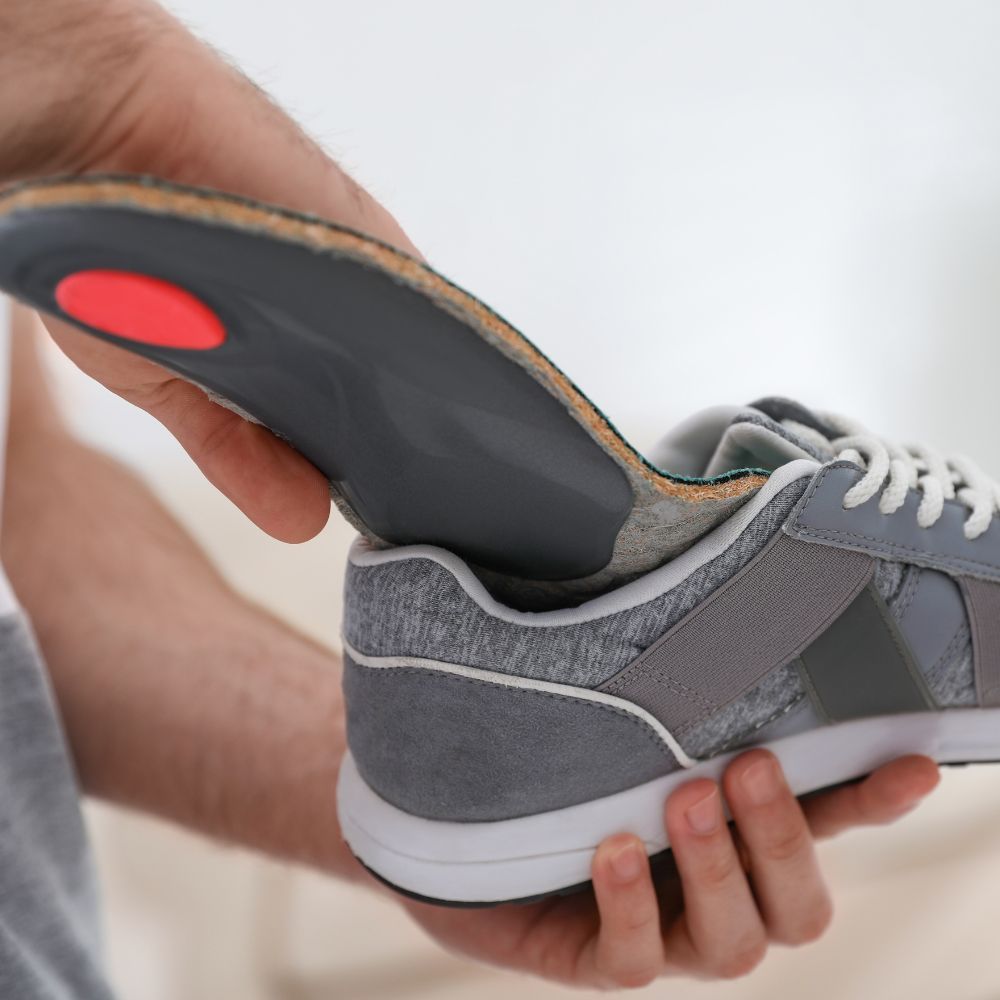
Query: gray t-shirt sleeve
(49, 930)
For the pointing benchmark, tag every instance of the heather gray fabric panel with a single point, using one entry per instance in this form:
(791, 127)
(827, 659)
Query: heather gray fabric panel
(889, 579)
(860, 666)
(952, 680)
(821, 517)
(461, 749)
(760, 620)
(49, 935)
(740, 720)
(417, 608)
(799, 718)
(983, 601)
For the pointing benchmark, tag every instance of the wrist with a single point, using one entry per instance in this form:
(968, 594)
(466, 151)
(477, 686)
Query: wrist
(72, 75)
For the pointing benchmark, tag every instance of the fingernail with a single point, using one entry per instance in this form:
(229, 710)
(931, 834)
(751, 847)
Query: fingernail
(626, 863)
(703, 815)
(760, 782)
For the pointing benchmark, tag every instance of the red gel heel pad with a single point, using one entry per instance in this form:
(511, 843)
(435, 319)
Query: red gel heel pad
(140, 308)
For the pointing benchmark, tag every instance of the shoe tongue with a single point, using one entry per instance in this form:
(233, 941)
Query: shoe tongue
(725, 438)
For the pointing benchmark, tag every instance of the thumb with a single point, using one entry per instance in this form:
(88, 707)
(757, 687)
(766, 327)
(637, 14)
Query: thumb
(276, 487)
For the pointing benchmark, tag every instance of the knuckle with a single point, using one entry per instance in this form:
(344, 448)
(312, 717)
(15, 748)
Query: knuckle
(639, 920)
(718, 873)
(156, 395)
(786, 843)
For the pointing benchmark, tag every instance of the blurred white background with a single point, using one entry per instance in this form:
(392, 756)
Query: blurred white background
(682, 203)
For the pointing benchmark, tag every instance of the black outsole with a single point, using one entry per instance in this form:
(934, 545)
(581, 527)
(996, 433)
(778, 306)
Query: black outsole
(657, 862)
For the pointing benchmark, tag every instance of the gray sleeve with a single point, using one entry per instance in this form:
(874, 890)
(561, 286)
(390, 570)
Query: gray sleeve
(49, 934)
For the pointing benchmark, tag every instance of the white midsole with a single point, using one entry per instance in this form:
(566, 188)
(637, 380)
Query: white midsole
(530, 855)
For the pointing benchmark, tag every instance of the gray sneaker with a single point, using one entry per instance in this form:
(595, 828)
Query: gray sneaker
(591, 626)
(846, 614)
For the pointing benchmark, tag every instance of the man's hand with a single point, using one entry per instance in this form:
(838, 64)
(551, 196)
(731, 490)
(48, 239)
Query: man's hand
(718, 903)
(119, 85)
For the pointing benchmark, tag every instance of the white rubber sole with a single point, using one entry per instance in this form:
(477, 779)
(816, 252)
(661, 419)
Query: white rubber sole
(543, 853)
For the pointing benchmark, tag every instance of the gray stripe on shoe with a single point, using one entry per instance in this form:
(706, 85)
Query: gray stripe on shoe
(983, 601)
(760, 620)
(932, 615)
(861, 665)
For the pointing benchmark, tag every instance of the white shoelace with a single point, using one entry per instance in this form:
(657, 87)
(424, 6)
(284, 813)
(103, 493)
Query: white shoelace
(912, 467)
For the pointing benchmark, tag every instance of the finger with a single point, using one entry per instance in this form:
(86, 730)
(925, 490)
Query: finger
(722, 932)
(628, 950)
(790, 891)
(275, 486)
(888, 793)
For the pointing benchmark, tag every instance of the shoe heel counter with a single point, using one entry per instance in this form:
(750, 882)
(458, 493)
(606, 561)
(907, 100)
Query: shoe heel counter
(455, 745)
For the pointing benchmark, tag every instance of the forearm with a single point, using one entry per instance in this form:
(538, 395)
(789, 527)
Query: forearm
(179, 697)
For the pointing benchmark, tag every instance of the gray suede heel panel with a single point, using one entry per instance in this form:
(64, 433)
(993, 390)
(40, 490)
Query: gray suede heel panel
(462, 749)
(416, 608)
(952, 679)
(49, 939)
